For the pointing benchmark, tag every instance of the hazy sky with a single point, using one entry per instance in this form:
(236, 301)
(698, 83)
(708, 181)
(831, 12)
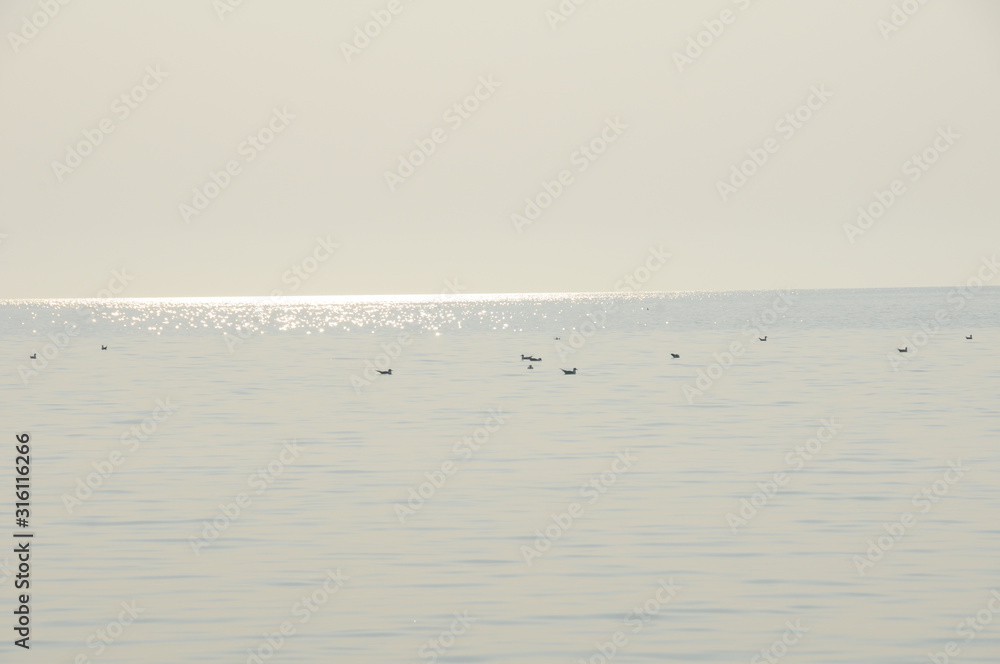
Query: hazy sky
(115, 112)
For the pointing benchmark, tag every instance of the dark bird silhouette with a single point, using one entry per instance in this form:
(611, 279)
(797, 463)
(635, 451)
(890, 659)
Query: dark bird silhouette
(969, 337)
(34, 356)
(904, 349)
(535, 359)
(568, 372)
(674, 355)
(530, 367)
(104, 347)
(525, 357)
(557, 338)
(385, 373)
(764, 338)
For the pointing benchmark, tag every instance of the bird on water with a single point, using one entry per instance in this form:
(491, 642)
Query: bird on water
(385, 373)
(568, 372)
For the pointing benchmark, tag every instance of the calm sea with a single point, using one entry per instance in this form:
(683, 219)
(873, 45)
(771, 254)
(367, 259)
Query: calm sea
(231, 480)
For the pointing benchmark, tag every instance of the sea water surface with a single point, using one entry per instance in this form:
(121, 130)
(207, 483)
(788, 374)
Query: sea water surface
(236, 473)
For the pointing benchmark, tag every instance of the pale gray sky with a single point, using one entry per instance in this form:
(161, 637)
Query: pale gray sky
(339, 123)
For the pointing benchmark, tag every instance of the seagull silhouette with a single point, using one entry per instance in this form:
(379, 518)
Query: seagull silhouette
(104, 347)
(385, 373)
(969, 337)
(764, 338)
(904, 349)
(34, 356)
(568, 372)
(674, 355)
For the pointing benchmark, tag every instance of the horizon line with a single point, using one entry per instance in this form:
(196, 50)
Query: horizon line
(453, 295)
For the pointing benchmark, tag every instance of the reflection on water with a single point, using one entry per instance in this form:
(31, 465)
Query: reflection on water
(238, 475)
